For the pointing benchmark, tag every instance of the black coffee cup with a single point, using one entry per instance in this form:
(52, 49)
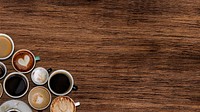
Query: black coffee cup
(16, 85)
(61, 83)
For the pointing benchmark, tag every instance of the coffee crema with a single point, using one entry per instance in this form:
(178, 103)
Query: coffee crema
(5, 47)
(23, 61)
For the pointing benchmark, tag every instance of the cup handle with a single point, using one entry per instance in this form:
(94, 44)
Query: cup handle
(77, 104)
(37, 58)
(49, 70)
(75, 88)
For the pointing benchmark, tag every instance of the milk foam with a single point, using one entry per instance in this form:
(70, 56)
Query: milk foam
(39, 76)
(62, 104)
(38, 98)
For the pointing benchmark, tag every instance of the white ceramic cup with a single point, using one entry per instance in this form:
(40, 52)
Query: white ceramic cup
(10, 75)
(39, 74)
(71, 80)
(13, 46)
(4, 67)
(36, 58)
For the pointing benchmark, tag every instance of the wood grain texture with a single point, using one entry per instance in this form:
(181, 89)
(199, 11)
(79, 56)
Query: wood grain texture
(124, 55)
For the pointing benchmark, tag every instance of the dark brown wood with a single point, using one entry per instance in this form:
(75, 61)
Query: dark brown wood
(125, 55)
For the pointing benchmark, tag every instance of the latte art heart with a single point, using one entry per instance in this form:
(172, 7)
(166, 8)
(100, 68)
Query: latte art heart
(25, 61)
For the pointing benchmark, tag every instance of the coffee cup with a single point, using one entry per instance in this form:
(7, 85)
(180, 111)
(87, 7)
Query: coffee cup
(3, 70)
(40, 75)
(13, 110)
(16, 85)
(61, 83)
(6, 46)
(63, 104)
(24, 61)
(39, 98)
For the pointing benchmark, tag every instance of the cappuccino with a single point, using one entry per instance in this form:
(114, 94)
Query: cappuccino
(63, 104)
(23, 61)
(40, 75)
(39, 98)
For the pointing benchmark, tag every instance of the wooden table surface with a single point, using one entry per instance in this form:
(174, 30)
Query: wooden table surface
(124, 55)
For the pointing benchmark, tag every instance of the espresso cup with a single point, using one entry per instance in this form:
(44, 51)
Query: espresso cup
(6, 46)
(24, 61)
(63, 104)
(16, 85)
(40, 75)
(39, 98)
(61, 83)
(3, 70)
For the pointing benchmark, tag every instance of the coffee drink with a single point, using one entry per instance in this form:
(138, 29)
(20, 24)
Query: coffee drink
(23, 61)
(3, 70)
(40, 75)
(6, 46)
(16, 85)
(63, 104)
(60, 82)
(39, 98)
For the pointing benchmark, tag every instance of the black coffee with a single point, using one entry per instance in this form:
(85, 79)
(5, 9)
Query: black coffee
(60, 83)
(2, 71)
(16, 85)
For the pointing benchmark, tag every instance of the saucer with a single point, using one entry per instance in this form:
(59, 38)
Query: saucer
(15, 104)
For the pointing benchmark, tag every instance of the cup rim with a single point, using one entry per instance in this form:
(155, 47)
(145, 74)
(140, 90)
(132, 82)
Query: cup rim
(44, 81)
(66, 73)
(1, 63)
(30, 53)
(2, 90)
(10, 110)
(13, 73)
(13, 46)
(62, 97)
(48, 102)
